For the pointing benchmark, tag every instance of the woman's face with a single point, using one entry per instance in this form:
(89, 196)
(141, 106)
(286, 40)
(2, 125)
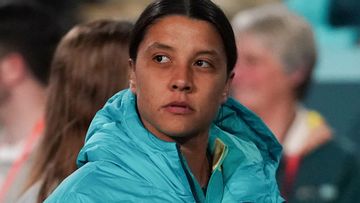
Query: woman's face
(260, 79)
(179, 77)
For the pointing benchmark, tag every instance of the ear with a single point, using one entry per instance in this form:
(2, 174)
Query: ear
(132, 80)
(298, 77)
(13, 69)
(226, 91)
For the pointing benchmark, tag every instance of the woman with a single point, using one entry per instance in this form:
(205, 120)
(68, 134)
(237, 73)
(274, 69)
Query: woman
(174, 136)
(90, 65)
(278, 55)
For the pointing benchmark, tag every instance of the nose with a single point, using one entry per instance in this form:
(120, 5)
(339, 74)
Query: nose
(181, 85)
(182, 80)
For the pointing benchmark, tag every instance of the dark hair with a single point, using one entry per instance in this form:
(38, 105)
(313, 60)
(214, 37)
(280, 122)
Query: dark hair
(197, 9)
(32, 32)
(89, 66)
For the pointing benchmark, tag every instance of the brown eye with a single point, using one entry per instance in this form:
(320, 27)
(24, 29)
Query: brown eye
(202, 64)
(161, 59)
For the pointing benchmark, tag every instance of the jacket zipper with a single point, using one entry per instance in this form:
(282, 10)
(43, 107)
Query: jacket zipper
(187, 173)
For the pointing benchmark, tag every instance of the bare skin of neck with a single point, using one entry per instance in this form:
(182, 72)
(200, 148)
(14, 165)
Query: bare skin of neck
(279, 117)
(194, 150)
(22, 110)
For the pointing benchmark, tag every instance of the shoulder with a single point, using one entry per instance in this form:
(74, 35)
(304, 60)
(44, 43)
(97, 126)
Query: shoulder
(341, 164)
(247, 173)
(339, 149)
(98, 181)
(118, 108)
(104, 181)
(247, 128)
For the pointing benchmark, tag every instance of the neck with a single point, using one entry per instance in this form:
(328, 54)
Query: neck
(279, 117)
(194, 150)
(21, 112)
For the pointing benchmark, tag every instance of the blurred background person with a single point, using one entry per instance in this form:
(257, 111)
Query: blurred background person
(277, 54)
(28, 36)
(90, 65)
(337, 74)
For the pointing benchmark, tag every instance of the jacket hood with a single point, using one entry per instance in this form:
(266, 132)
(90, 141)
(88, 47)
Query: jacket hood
(237, 120)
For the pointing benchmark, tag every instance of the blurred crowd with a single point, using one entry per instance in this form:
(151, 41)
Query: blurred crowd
(60, 61)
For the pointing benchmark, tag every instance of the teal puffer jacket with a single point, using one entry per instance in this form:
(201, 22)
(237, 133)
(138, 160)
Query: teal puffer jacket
(123, 162)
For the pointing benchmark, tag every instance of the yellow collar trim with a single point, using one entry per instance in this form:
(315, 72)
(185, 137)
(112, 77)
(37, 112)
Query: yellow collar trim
(219, 153)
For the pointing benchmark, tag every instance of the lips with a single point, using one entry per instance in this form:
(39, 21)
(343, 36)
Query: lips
(179, 108)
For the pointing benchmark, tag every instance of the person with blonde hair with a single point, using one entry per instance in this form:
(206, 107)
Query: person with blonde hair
(89, 66)
(277, 55)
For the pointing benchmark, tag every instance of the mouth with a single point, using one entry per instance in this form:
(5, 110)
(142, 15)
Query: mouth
(179, 108)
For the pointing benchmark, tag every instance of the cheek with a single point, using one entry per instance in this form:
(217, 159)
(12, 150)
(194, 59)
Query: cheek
(216, 92)
(145, 80)
(237, 77)
(238, 74)
(145, 93)
(150, 88)
(247, 79)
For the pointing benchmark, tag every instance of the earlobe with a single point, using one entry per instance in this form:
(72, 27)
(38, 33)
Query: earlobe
(131, 63)
(226, 92)
(298, 77)
(224, 97)
(132, 86)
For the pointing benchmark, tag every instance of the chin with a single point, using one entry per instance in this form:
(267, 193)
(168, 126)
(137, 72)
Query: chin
(177, 133)
(183, 131)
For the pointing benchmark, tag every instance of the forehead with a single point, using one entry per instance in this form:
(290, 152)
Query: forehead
(181, 31)
(256, 44)
(249, 41)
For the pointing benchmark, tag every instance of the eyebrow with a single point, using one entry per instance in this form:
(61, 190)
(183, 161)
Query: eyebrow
(157, 45)
(209, 52)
